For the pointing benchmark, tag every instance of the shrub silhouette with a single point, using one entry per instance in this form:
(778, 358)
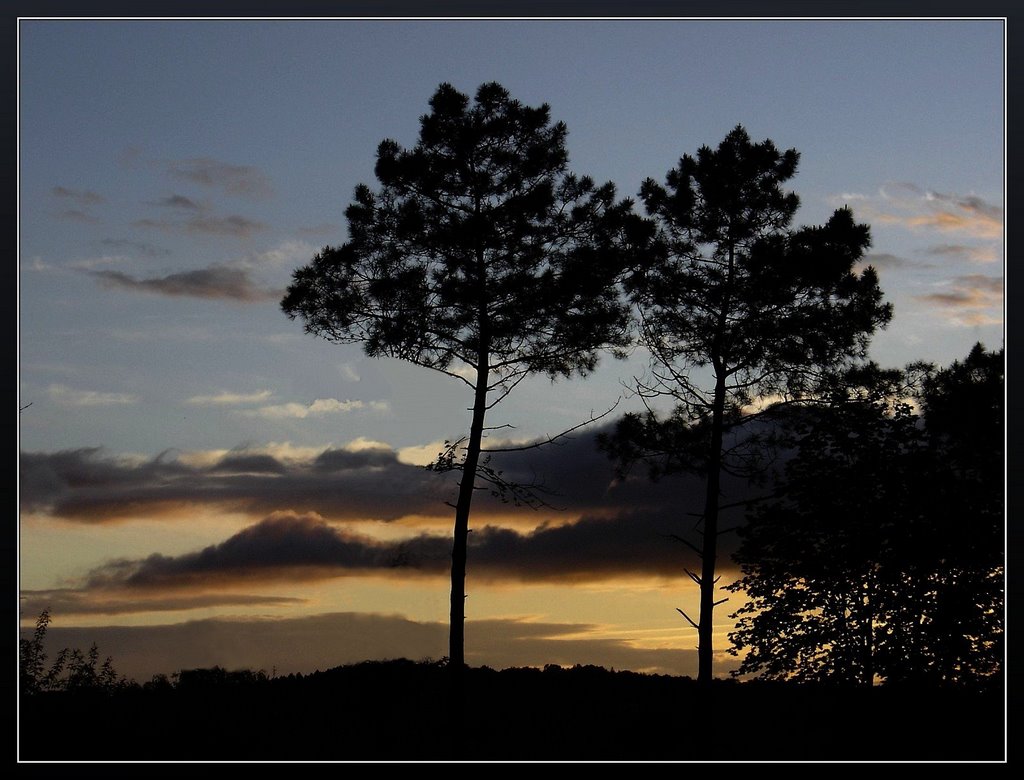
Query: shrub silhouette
(71, 670)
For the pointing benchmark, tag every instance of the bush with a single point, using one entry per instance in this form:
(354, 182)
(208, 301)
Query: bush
(71, 670)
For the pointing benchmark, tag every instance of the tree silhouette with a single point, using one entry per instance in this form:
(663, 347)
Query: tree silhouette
(482, 257)
(963, 409)
(71, 670)
(737, 308)
(882, 561)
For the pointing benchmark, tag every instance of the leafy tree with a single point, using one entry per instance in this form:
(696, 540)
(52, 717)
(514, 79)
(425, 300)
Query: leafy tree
(71, 670)
(883, 558)
(963, 409)
(32, 657)
(738, 310)
(482, 257)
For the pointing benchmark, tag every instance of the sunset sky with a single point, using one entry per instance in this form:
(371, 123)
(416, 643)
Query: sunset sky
(202, 483)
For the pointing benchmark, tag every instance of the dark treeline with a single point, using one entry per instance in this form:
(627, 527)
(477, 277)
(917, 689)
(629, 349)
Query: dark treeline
(881, 559)
(388, 711)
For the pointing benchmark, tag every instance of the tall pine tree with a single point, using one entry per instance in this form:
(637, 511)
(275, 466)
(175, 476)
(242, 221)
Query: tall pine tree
(480, 256)
(739, 310)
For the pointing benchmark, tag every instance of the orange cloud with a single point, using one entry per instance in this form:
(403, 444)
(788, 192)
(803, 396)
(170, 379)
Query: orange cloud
(917, 209)
(969, 300)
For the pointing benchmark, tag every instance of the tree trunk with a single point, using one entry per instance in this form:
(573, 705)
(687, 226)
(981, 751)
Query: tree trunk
(460, 534)
(709, 548)
(456, 636)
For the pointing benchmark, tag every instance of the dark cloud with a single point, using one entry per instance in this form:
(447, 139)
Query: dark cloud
(882, 260)
(140, 247)
(946, 250)
(244, 463)
(234, 225)
(218, 282)
(905, 187)
(87, 485)
(67, 601)
(77, 215)
(971, 291)
(284, 546)
(71, 481)
(330, 461)
(631, 544)
(243, 180)
(972, 204)
(969, 300)
(178, 202)
(318, 231)
(157, 224)
(306, 644)
(81, 197)
(985, 253)
(294, 547)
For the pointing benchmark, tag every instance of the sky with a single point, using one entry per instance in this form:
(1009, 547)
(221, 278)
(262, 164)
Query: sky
(202, 483)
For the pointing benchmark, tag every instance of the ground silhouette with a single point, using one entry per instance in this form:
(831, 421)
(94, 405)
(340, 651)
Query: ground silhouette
(388, 710)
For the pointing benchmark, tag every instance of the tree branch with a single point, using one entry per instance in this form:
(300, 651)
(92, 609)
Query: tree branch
(552, 439)
(688, 619)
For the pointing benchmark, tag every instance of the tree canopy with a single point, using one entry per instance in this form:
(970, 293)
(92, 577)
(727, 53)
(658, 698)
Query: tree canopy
(479, 242)
(883, 557)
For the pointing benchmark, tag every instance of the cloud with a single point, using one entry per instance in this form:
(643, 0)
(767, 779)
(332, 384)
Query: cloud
(292, 547)
(883, 260)
(283, 546)
(67, 601)
(89, 485)
(332, 461)
(97, 262)
(133, 332)
(81, 197)
(241, 180)
(319, 408)
(77, 215)
(348, 372)
(605, 528)
(248, 463)
(235, 226)
(320, 642)
(285, 452)
(36, 263)
(318, 231)
(229, 399)
(66, 396)
(422, 454)
(976, 254)
(966, 298)
(915, 208)
(214, 282)
(287, 254)
(178, 202)
(970, 204)
(140, 247)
